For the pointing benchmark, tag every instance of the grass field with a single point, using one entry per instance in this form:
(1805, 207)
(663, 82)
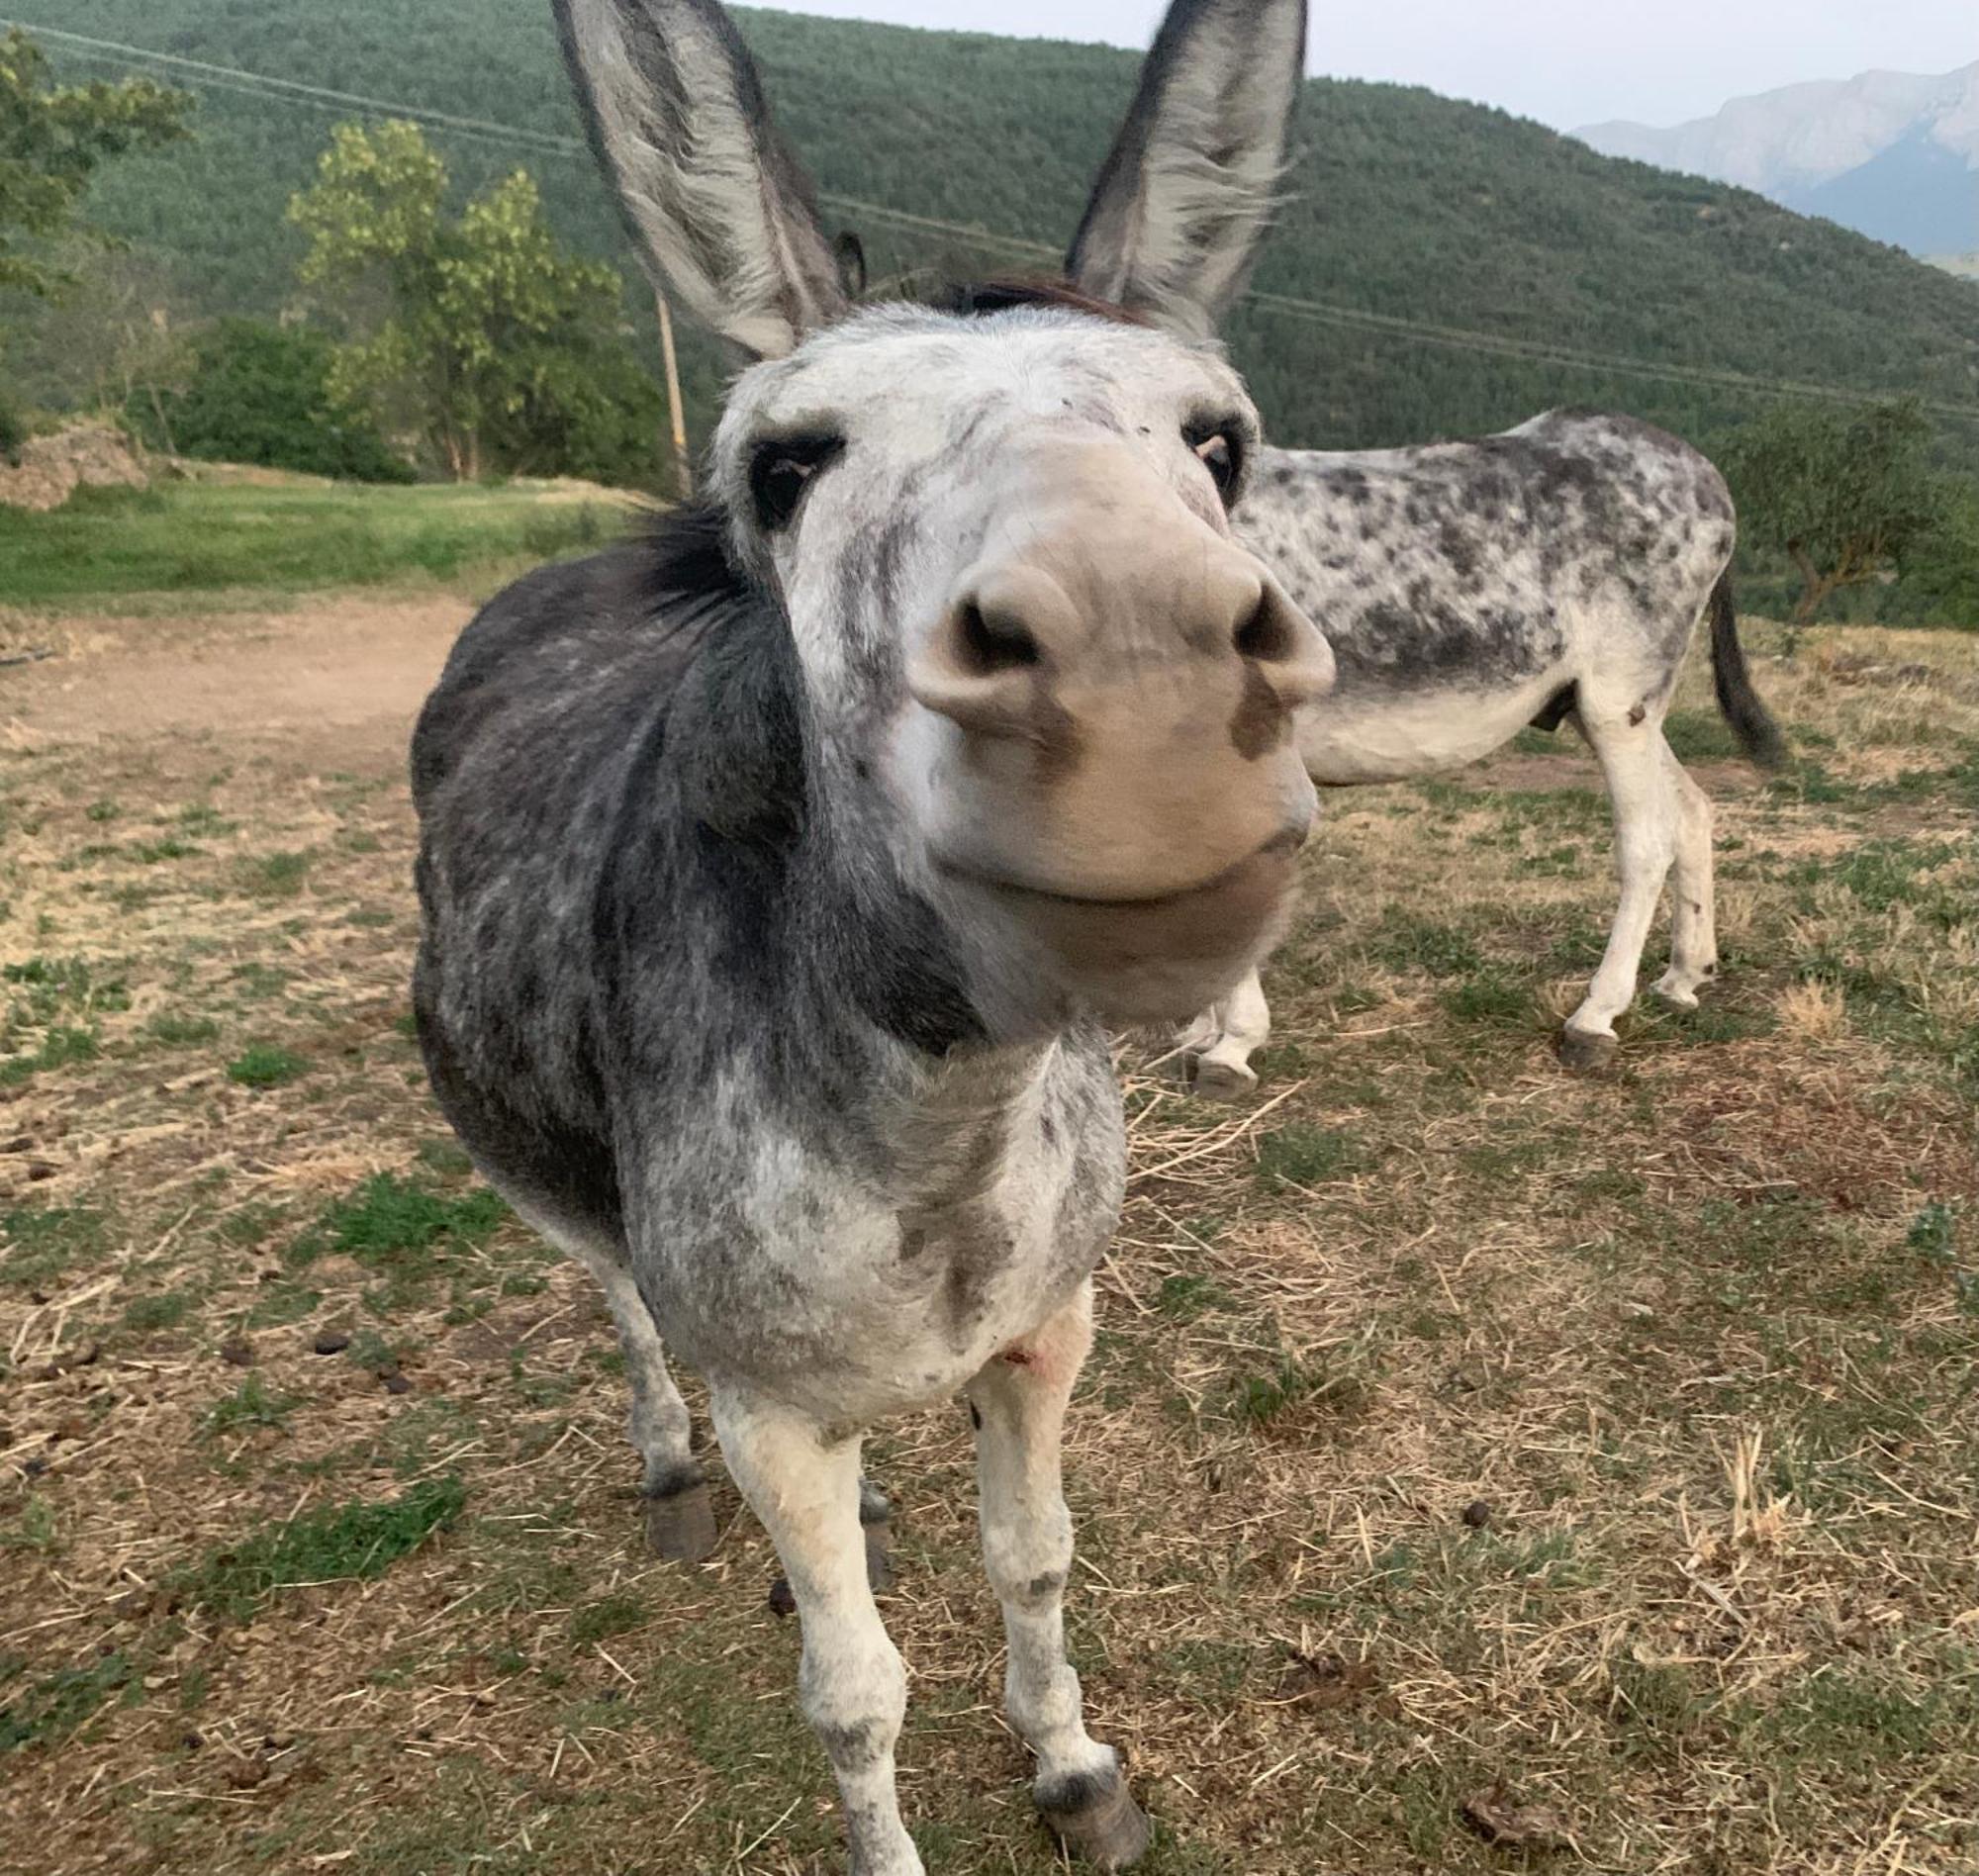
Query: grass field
(1469, 1450)
(286, 533)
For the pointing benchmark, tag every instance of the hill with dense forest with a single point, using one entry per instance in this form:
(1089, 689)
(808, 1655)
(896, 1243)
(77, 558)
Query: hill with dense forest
(1459, 269)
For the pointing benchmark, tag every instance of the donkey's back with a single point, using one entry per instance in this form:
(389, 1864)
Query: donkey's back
(1468, 587)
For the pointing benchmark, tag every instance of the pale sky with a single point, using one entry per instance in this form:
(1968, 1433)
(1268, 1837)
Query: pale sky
(1566, 62)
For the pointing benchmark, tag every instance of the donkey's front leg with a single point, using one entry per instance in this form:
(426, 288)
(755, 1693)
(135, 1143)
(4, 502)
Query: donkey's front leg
(1019, 1404)
(803, 1484)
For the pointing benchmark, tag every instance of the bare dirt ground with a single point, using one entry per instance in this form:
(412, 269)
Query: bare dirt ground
(353, 669)
(1478, 1468)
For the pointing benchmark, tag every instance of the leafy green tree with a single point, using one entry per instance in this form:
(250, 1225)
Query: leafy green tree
(52, 142)
(501, 351)
(1943, 570)
(249, 391)
(1848, 496)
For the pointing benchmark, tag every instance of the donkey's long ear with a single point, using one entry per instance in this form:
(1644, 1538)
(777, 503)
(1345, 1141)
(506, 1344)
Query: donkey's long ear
(1189, 189)
(721, 212)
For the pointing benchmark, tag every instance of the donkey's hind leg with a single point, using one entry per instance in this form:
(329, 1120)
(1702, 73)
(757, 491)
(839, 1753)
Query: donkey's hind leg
(1693, 916)
(1019, 1404)
(1242, 1025)
(1633, 762)
(679, 1517)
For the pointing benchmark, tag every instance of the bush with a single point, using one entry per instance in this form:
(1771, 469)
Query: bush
(13, 431)
(257, 393)
(1943, 571)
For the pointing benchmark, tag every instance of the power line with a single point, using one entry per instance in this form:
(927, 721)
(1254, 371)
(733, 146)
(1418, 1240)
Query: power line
(271, 89)
(297, 91)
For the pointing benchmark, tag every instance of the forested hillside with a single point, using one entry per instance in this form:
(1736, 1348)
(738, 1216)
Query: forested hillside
(1497, 245)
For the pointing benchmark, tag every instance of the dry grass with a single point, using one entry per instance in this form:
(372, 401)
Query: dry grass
(1468, 1450)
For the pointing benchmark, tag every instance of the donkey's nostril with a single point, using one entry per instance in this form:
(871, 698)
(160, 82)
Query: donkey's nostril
(1267, 635)
(994, 640)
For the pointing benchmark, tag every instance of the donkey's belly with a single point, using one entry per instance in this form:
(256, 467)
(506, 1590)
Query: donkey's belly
(1387, 735)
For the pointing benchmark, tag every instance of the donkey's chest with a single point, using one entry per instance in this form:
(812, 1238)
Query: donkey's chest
(858, 1296)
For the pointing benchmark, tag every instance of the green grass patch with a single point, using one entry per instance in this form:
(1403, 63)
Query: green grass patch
(51, 1710)
(609, 1616)
(1298, 1156)
(34, 1528)
(47, 988)
(177, 1031)
(1701, 736)
(146, 1315)
(409, 1234)
(276, 875)
(63, 1047)
(198, 538)
(267, 1065)
(1404, 942)
(1185, 1297)
(347, 1542)
(388, 1219)
(252, 1404)
(1490, 998)
(38, 1243)
(149, 853)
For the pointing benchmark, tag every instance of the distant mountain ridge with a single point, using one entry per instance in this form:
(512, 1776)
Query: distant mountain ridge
(1892, 155)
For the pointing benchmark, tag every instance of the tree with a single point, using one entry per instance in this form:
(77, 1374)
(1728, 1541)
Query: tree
(1848, 496)
(53, 141)
(480, 332)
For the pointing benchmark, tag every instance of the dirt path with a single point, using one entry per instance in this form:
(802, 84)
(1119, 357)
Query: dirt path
(337, 679)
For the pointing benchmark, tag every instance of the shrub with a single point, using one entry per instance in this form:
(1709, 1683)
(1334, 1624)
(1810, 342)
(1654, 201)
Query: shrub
(257, 393)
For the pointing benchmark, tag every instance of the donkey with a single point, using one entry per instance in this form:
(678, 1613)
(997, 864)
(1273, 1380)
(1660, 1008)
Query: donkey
(1554, 573)
(779, 873)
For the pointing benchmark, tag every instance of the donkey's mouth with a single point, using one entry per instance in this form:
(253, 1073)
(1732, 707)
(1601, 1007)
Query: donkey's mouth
(1160, 957)
(1275, 853)
(1282, 846)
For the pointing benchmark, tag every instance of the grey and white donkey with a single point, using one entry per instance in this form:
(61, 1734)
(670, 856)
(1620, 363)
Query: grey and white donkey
(1557, 572)
(778, 873)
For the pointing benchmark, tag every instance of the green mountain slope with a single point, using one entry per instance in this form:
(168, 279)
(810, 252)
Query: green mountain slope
(1404, 207)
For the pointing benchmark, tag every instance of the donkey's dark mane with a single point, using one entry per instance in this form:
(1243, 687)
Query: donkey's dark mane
(981, 298)
(740, 746)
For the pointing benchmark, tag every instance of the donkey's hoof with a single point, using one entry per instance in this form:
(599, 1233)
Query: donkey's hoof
(1674, 993)
(680, 1526)
(880, 1557)
(875, 1507)
(1588, 1050)
(1095, 1816)
(1224, 1080)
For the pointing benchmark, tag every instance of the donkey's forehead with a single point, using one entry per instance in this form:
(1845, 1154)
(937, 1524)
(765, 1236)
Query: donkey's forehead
(1030, 356)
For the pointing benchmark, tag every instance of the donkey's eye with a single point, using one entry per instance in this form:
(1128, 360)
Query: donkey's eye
(781, 472)
(1220, 451)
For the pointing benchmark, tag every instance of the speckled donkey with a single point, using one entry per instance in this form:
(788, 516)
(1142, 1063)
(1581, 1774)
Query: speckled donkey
(1556, 572)
(779, 872)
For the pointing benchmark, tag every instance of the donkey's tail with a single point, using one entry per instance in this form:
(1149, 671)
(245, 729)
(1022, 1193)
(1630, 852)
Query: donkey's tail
(1750, 721)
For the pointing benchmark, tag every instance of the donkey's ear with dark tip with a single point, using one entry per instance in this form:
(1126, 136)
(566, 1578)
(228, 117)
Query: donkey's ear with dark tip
(723, 216)
(1190, 187)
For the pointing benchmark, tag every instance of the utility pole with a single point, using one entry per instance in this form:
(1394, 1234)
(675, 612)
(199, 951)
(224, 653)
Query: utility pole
(683, 464)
